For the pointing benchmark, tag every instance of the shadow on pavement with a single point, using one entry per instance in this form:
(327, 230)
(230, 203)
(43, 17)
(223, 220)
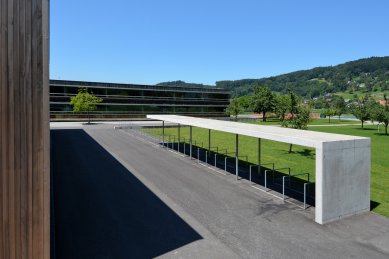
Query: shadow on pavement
(101, 210)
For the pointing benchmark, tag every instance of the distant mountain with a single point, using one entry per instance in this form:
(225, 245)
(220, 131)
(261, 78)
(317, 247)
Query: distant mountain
(366, 75)
(183, 84)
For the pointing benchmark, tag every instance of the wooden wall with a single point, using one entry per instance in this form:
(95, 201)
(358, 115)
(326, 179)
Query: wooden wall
(24, 129)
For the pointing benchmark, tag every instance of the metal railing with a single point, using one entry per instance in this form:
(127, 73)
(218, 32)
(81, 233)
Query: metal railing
(259, 168)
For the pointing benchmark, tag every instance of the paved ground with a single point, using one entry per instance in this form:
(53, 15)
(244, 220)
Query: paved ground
(116, 196)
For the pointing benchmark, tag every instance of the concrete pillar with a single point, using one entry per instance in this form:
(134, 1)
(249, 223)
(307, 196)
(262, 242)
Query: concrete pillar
(342, 179)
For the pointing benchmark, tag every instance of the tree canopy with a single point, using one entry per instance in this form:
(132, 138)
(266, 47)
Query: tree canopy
(263, 101)
(85, 101)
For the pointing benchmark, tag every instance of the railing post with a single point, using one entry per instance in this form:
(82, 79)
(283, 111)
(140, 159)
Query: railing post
(163, 133)
(209, 139)
(237, 156)
(259, 151)
(179, 137)
(305, 196)
(190, 133)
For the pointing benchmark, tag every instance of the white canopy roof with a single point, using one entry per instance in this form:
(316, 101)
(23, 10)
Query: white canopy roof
(287, 135)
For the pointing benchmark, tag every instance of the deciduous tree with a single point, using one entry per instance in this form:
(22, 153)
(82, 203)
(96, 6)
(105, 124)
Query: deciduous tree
(85, 102)
(263, 101)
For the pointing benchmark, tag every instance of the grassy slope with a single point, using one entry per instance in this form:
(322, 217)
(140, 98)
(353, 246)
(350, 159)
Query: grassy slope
(379, 95)
(302, 159)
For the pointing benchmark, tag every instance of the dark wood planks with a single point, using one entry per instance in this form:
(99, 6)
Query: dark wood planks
(24, 129)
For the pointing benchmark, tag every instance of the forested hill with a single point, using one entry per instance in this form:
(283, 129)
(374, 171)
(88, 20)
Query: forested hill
(183, 84)
(370, 74)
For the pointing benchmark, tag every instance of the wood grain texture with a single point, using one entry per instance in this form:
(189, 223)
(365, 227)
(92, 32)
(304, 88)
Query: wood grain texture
(24, 129)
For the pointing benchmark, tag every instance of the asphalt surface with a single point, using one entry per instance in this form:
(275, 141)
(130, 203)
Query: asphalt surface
(118, 196)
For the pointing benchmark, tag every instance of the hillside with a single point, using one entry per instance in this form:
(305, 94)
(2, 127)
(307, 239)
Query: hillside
(363, 75)
(183, 84)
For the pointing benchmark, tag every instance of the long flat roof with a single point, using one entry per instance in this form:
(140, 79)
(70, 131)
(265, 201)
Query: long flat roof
(293, 136)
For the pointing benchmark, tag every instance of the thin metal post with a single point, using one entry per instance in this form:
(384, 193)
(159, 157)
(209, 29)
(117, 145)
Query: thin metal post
(179, 137)
(225, 163)
(305, 196)
(198, 154)
(237, 155)
(184, 147)
(215, 159)
(209, 139)
(259, 151)
(163, 133)
(190, 133)
(283, 187)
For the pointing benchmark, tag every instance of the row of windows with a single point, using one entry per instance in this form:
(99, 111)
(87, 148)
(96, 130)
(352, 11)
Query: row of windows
(148, 101)
(146, 93)
(68, 96)
(132, 86)
(144, 109)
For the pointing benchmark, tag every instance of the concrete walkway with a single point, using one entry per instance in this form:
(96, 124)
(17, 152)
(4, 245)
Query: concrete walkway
(117, 196)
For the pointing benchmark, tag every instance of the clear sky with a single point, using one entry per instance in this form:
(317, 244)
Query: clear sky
(203, 41)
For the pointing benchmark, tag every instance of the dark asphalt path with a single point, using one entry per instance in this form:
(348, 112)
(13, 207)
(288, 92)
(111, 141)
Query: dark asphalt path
(102, 209)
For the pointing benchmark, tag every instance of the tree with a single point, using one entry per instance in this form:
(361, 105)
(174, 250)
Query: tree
(360, 109)
(282, 106)
(85, 102)
(329, 112)
(245, 102)
(234, 108)
(263, 101)
(294, 101)
(300, 120)
(340, 106)
(381, 113)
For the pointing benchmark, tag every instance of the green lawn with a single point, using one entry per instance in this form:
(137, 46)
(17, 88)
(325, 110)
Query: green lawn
(302, 159)
(334, 120)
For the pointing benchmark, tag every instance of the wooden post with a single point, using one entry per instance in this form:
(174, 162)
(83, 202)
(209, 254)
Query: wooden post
(24, 129)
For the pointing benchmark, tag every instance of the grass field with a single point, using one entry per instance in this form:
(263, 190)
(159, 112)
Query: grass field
(302, 159)
(334, 120)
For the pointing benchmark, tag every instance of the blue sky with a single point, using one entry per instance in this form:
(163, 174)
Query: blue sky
(151, 41)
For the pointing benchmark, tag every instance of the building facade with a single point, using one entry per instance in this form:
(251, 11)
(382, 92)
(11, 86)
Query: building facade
(132, 101)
